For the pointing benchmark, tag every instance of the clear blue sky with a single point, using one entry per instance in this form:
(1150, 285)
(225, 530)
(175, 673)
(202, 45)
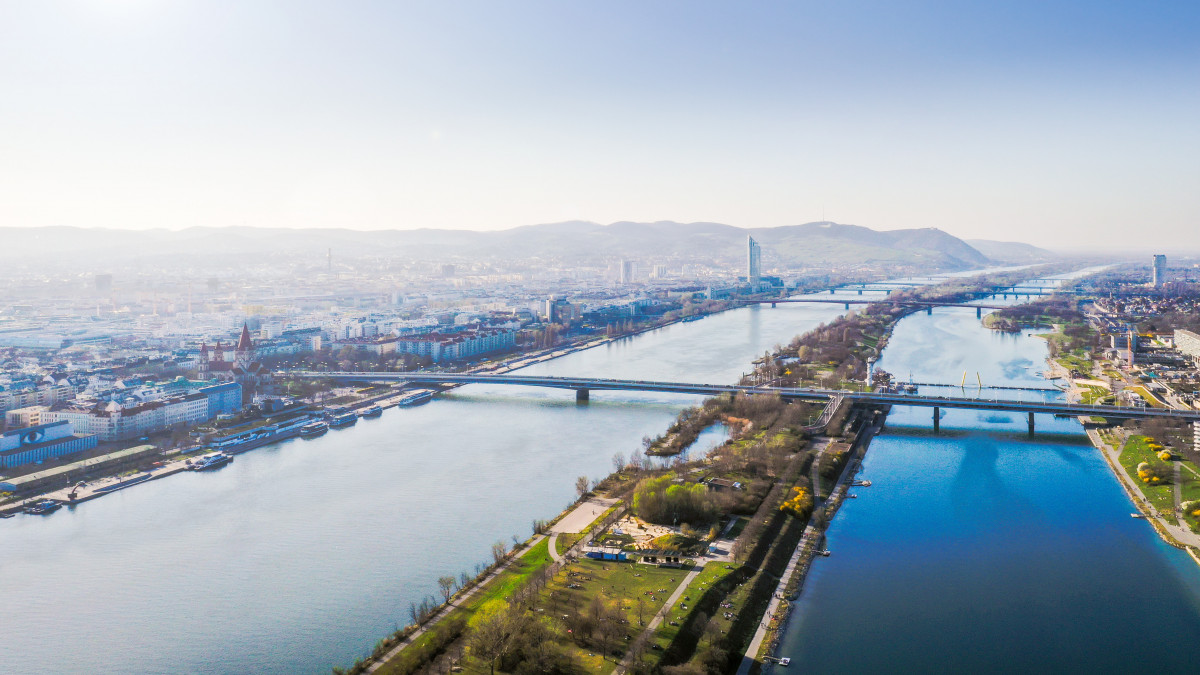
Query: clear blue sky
(1044, 121)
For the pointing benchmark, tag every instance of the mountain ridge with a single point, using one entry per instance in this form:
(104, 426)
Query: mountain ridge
(577, 241)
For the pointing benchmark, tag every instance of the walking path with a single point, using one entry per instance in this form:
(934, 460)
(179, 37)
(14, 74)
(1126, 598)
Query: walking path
(1180, 534)
(456, 601)
(664, 612)
(811, 536)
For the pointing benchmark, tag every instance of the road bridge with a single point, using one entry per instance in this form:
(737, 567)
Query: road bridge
(584, 385)
(846, 302)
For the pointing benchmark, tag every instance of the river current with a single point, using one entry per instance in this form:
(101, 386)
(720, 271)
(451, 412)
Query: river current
(979, 550)
(299, 556)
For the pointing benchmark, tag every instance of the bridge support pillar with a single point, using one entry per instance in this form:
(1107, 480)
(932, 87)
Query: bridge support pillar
(581, 395)
(888, 292)
(860, 291)
(847, 306)
(831, 291)
(1031, 425)
(978, 312)
(937, 419)
(929, 310)
(772, 305)
(1006, 296)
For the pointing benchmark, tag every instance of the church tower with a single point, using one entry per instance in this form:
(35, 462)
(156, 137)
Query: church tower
(244, 354)
(203, 365)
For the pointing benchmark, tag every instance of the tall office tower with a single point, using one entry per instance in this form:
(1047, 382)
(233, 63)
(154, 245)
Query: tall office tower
(753, 273)
(1159, 275)
(627, 271)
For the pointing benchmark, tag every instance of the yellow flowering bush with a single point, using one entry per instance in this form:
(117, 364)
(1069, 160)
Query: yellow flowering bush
(800, 504)
(1149, 475)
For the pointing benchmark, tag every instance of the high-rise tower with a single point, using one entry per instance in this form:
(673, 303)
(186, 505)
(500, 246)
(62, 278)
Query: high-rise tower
(627, 272)
(1159, 274)
(753, 271)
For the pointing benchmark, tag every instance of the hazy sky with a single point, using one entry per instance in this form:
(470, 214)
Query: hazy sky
(1047, 121)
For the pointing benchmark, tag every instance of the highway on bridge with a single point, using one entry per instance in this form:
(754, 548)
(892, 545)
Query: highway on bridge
(582, 385)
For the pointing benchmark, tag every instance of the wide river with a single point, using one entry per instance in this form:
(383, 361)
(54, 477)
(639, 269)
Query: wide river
(299, 556)
(979, 550)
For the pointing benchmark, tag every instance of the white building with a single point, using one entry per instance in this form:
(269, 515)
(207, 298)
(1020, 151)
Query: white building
(459, 345)
(1188, 343)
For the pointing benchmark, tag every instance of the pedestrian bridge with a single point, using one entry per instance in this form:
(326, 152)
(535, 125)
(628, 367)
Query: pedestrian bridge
(583, 385)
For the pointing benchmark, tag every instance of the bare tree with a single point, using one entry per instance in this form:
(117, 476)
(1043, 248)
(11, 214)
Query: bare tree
(581, 486)
(447, 585)
(618, 462)
(463, 580)
(636, 460)
(499, 550)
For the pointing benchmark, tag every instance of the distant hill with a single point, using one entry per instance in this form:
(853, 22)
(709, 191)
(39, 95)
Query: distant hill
(1011, 251)
(793, 246)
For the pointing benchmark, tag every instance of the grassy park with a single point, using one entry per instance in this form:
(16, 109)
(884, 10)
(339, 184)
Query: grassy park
(1161, 497)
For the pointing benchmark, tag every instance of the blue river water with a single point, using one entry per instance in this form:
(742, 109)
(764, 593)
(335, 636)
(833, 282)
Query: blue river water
(979, 550)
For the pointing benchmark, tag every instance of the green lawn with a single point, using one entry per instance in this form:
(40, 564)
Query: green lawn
(1096, 394)
(494, 596)
(623, 583)
(1150, 399)
(1161, 497)
(491, 597)
(665, 633)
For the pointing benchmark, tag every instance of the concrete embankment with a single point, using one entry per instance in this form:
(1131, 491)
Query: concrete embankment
(791, 583)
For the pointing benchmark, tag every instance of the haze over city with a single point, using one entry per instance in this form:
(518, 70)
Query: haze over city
(1062, 124)
(623, 338)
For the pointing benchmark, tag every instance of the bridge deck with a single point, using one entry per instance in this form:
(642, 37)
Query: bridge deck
(797, 393)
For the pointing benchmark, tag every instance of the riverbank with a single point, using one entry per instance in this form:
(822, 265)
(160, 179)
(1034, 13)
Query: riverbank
(791, 583)
(1066, 364)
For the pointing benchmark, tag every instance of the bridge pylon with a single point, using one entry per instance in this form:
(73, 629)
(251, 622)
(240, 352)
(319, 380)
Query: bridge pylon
(937, 419)
(582, 395)
(1031, 425)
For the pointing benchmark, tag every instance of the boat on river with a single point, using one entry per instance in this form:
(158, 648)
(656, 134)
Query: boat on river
(259, 436)
(211, 461)
(416, 398)
(342, 419)
(373, 411)
(313, 429)
(123, 483)
(42, 508)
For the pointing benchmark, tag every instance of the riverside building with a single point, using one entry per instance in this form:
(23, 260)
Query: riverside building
(41, 442)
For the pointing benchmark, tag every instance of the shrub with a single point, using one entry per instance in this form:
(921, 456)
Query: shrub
(1151, 475)
(800, 504)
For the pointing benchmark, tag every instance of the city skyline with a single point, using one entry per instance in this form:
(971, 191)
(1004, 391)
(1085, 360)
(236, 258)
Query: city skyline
(1059, 124)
